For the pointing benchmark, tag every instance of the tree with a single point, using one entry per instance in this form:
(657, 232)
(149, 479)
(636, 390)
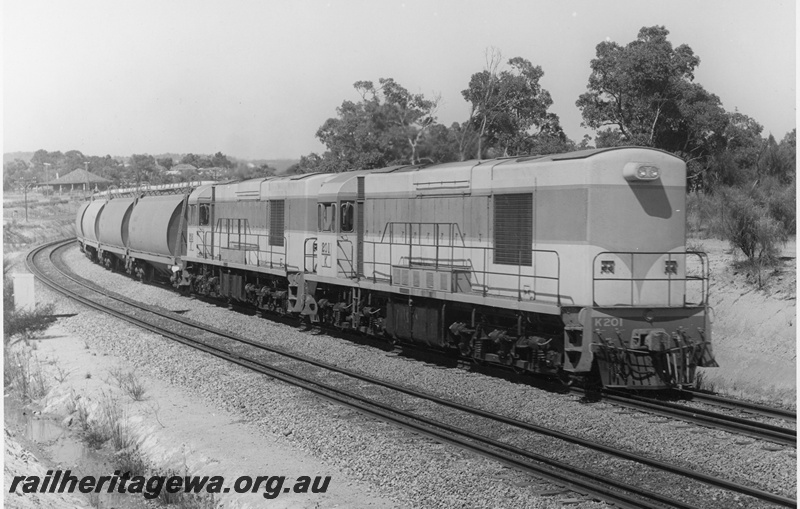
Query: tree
(734, 164)
(220, 160)
(166, 162)
(143, 167)
(15, 171)
(54, 159)
(506, 106)
(192, 159)
(643, 94)
(788, 146)
(386, 127)
(406, 115)
(73, 159)
(586, 143)
(632, 88)
(778, 160)
(442, 144)
(356, 139)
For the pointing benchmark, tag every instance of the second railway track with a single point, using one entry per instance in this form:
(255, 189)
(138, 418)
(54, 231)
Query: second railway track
(350, 389)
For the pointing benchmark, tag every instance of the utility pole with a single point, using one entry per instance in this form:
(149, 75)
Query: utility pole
(26, 184)
(47, 172)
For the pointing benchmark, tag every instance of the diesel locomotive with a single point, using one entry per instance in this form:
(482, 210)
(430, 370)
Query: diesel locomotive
(570, 264)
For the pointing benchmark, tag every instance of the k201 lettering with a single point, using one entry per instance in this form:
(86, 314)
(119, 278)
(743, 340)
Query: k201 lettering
(608, 322)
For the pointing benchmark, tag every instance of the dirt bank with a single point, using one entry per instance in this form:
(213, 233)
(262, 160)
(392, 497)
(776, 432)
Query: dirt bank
(754, 329)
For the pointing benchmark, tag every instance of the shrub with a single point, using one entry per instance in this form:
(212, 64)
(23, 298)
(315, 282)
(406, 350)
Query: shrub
(129, 382)
(23, 373)
(780, 200)
(750, 227)
(27, 323)
(703, 215)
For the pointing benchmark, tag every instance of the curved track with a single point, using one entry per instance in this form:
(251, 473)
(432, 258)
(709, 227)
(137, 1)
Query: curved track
(347, 388)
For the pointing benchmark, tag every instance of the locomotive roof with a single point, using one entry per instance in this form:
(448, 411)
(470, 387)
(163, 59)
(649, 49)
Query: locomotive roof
(583, 154)
(405, 168)
(578, 154)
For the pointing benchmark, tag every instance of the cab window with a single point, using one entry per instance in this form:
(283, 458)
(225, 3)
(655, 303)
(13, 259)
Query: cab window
(205, 214)
(326, 218)
(347, 216)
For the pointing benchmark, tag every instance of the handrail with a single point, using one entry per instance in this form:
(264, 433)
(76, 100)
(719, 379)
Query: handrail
(313, 255)
(454, 229)
(481, 277)
(203, 244)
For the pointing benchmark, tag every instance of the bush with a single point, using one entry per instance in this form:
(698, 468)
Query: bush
(129, 382)
(23, 373)
(703, 217)
(750, 227)
(756, 218)
(27, 323)
(780, 200)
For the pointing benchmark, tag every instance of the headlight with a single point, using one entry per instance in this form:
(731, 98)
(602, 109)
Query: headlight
(639, 171)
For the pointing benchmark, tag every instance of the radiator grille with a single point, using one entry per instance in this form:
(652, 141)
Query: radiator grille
(276, 222)
(513, 229)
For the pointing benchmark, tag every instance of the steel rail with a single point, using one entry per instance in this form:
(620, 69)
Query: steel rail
(760, 430)
(735, 404)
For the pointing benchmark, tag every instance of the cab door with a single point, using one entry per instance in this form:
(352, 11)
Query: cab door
(336, 239)
(347, 240)
(327, 231)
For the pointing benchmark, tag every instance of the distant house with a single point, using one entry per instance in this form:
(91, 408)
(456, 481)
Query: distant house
(78, 179)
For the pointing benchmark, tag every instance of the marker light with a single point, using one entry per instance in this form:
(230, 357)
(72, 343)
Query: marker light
(639, 171)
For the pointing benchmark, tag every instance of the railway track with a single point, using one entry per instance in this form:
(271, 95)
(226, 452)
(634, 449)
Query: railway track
(738, 405)
(349, 389)
(776, 434)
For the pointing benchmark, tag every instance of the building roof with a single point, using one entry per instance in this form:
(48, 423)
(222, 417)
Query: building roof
(78, 176)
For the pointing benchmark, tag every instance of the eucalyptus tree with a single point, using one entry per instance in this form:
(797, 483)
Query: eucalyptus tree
(386, 127)
(644, 93)
(508, 108)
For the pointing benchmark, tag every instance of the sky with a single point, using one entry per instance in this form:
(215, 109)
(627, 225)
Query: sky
(256, 78)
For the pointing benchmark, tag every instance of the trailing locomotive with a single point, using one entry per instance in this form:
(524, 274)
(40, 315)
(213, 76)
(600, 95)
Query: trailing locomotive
(561, 264)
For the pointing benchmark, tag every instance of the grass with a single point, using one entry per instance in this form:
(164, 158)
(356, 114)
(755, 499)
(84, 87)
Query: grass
(95, 433)
(129, 382)
(24, 373)
(47, 220)
(702, 383)
(61, 374)
(105, 424)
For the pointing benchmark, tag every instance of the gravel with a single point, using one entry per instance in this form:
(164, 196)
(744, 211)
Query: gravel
(410, 468)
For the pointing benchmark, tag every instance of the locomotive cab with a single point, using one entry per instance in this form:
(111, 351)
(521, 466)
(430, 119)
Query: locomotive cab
(340, 226)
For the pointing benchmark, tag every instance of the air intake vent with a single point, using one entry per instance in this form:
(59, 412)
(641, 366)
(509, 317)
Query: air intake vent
(513, 229)
(276, 222)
